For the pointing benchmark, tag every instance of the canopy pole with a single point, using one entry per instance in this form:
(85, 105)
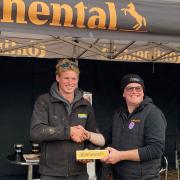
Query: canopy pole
(122, 50)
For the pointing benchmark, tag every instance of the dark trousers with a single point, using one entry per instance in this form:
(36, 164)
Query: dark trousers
(76, 177)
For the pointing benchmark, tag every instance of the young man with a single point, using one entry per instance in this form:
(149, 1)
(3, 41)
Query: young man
(137, 134)
(56, 121)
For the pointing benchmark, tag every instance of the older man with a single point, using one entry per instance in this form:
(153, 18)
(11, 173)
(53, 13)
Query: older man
(137, 134)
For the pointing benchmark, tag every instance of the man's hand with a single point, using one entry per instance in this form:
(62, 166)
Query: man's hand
(117, 156)
(114, 156)
(78, 134)
(85, 161)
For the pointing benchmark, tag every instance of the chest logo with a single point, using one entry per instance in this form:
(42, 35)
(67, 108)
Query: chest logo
(136, 120)
(82, 116)
(131, 125)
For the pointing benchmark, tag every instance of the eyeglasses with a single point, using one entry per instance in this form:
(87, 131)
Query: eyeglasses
(137, 89)
(69, 64)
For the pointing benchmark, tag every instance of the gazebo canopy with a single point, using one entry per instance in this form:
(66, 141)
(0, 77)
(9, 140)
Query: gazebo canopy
(119, 30)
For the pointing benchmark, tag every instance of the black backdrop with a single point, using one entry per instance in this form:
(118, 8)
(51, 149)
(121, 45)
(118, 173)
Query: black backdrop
(23, 79)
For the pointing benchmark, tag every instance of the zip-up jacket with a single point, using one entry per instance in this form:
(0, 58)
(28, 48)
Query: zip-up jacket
(143, 129)
(50, 126)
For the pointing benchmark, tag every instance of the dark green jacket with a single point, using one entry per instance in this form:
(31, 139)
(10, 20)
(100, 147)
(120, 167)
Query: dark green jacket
(50, 126)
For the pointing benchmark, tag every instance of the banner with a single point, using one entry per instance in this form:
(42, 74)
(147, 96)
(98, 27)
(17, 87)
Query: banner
(54, 17)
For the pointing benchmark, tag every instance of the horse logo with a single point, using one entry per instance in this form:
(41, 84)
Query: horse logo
(140, 20)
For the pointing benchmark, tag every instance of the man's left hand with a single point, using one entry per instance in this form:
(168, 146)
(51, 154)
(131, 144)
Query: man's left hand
(113, 157)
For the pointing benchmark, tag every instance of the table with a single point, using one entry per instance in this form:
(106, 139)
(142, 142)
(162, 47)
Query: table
(14, 159)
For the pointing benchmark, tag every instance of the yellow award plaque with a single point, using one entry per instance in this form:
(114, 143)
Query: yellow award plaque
(91, 154)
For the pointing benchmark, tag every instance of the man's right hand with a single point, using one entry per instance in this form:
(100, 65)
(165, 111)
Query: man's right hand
(78, 134)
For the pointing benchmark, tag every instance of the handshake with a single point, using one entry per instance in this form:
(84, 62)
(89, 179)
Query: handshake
(78, 134)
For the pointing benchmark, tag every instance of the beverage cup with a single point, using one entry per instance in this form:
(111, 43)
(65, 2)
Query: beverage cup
(35, 148)
(18, 149)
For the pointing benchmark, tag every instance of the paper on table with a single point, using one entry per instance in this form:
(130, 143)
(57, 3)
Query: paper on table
(31, 157)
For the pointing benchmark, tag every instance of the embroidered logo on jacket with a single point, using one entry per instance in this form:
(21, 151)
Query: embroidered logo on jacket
(82, 115)
(133, 122)
(136, 120)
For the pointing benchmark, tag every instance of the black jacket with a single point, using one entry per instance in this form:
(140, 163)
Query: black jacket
(51, 121)
(144, 129)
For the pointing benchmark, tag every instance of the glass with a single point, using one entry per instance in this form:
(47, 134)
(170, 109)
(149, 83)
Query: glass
(18, 149)
(137, 88)
(35, 148)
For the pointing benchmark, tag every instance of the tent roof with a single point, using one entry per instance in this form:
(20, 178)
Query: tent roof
(155, 41)
(44, 46)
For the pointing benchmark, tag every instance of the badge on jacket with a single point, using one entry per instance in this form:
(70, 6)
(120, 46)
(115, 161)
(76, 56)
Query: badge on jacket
(82, 116)
(131, 125)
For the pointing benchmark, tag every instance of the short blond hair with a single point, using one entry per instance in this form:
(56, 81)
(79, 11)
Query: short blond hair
(65, 65)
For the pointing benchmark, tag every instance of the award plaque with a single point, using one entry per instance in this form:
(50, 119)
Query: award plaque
(91, 154)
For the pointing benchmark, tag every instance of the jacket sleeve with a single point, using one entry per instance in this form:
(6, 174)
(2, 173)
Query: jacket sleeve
(108, 132)
(40, 130)
(91, 126)
(154, 136)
